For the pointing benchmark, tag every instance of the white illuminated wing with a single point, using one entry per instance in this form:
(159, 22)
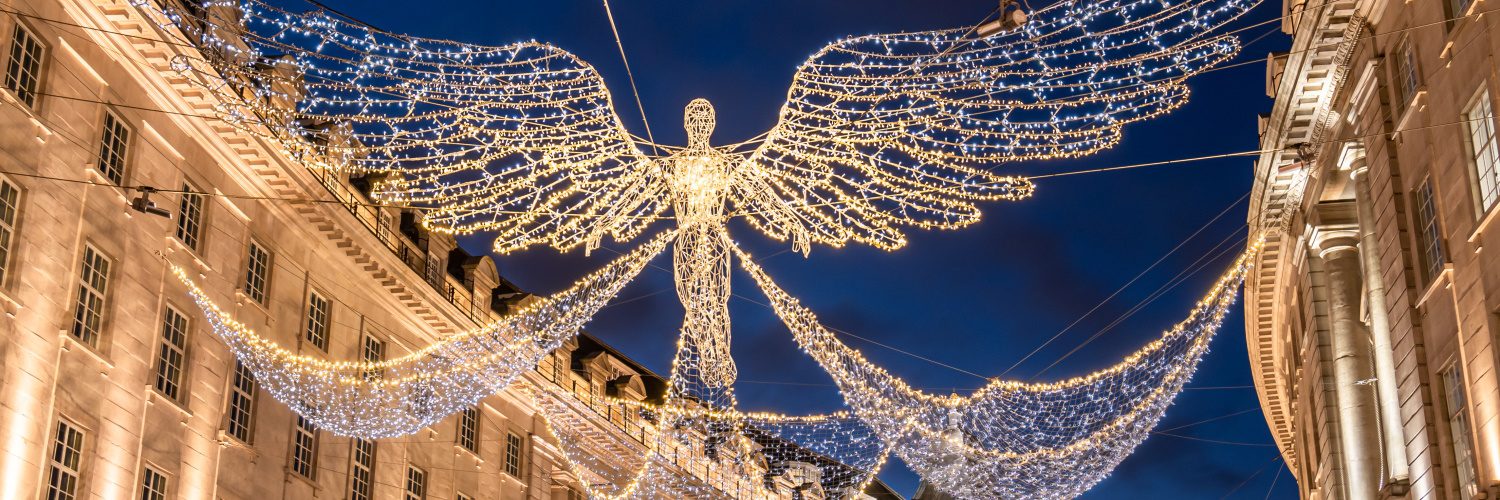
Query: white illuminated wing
(520, 139)
(891, 130)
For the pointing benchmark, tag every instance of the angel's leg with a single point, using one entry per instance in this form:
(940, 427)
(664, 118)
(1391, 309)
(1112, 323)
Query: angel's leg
(703, 368)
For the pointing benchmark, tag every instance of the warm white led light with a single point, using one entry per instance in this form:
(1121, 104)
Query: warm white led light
(879, 134)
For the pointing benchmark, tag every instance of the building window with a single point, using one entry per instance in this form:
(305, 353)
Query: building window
(1479, 122)
(461, 496)
(513, 445)
(10, 204)
(1458, 8)
(362, 477)
(24, 73)
(372, 351)
(416, 484)
(153, 485)
(305, 448)
(66, 464)
(113, 148)
(468, 429)
(1456, 408)
(1429, 235)
(257, 273)
(190, 217)
(1407, 80)
(241, 412)
(576, 495)
(318, 312)
(434, 270)
(172, 355)
(93, 284)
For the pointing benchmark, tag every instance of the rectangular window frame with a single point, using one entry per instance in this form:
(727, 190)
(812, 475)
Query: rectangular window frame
(1455, 412)
(258, 262)
(416, 483)
(11, 197)
(189, 224)
(154, 484)
(362, 468)
(514, 449)
(1431, 252)
(91, 306)
(1456, 10)
(372, 350)
(319, 320)
(1482, 152)
(169, 371)
(304, 450)
(115, 139)
(65, 462)
(1407, 74)
(30, 77)
(467, 429)
(239, 413)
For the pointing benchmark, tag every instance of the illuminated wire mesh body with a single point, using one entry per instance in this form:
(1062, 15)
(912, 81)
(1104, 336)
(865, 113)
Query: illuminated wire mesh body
(879, 134)
(700, 180)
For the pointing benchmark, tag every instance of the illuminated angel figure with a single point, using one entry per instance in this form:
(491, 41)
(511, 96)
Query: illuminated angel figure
(879, 133)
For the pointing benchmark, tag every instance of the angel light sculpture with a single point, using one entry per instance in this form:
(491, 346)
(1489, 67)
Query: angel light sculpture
(879, 134)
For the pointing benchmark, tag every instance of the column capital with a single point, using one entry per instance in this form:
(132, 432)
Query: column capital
(1334, 238)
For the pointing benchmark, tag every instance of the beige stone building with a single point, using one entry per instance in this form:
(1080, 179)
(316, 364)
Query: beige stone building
(111, 387)
(1372, 320)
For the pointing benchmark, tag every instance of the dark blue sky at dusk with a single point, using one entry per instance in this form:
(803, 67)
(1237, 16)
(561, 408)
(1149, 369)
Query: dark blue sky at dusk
(978, 298)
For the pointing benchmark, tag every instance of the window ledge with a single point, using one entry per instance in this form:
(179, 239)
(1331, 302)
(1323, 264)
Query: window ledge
(178, 245)
(1484, 224)
(241, 298)
(155, 396)
(1459, 26)
(1444, 278)
(70, 343)
(229, 441)
(11, 307)
(292, 475)
(96, 176)
(1414, 106)
(459, 449)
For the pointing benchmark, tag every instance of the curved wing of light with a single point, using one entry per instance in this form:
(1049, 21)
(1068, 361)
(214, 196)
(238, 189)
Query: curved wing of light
(401, 396)
(892, 130)
(1013, 439)
(521, 139)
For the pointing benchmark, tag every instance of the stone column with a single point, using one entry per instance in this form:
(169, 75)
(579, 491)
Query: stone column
(1359, 433)
(1380, 329)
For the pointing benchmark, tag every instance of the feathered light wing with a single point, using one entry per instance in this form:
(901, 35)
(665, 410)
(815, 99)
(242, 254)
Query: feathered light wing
(520, 139)
(893, 130)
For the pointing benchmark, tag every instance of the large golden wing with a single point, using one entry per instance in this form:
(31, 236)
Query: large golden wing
(885, 131)
(520, 139)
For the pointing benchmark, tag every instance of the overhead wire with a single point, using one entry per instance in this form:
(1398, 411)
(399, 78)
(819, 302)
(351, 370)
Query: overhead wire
(878, 197)
(1127, 284)
(294, 200)
(1206, 260)
(631, 75)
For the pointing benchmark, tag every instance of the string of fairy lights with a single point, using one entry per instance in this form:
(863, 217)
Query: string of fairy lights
(400, 396)
(879, 134)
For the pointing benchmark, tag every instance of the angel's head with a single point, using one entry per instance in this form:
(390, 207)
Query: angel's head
(698, 119)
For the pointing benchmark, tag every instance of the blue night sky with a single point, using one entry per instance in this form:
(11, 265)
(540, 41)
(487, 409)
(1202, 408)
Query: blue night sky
(979, 298)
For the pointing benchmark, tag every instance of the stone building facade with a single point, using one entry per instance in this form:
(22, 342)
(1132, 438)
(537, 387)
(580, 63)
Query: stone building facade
(112, 387)
(1372, 319)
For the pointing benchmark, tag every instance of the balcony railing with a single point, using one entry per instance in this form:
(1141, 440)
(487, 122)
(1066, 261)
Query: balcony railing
(379, 222)
(628, 420)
